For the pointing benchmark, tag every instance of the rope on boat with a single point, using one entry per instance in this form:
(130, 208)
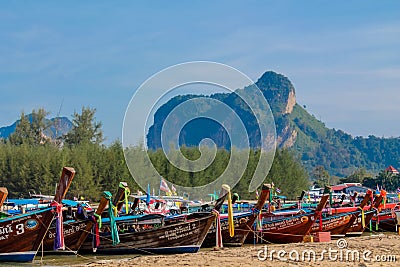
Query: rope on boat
(87, 258)
(128, 246)
(259, 235)
(44, 236)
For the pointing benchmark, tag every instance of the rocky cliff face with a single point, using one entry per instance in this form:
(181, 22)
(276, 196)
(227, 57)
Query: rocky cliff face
(279, 92)
(286, 138)
(56, 127)
(276, 88)
(281, 96)
(291, 102)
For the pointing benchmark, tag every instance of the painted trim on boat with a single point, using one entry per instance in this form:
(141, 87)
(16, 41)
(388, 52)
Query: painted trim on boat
(12, 218)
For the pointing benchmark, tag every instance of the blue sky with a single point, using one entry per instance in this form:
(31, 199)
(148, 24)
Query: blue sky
(343, 57)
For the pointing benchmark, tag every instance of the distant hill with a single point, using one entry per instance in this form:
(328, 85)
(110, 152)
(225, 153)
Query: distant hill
(339, 152)
(57, 127)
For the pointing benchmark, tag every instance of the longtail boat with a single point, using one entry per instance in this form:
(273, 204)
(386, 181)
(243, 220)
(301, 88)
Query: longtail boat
(339, 224)
(364, 218)
(289, 229)
(242, 222)
(76, 231)
(152, 233)
(386, 219)
(21, 235)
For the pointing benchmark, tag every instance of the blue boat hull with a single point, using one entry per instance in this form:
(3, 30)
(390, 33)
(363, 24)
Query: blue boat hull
(27, 256)
(160, 250)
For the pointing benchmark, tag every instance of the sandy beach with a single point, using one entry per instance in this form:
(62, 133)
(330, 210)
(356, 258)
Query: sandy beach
(373, 250)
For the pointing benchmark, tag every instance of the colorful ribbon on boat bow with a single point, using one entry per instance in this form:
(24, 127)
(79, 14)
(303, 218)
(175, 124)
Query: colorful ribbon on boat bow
(230, 215)
(96, 236)
(237, 199)
(59, 239)
(377, 222)
(257, 213)
(383, 194)
(126, 193)
(318, 214)
(362, 217)
(218, 232)
(113, 224)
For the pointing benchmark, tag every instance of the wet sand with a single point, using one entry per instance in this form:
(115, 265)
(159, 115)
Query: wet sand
(374, 250)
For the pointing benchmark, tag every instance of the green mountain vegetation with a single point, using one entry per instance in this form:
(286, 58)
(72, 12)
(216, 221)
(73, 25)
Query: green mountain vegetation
(316, 145)
(340, 153)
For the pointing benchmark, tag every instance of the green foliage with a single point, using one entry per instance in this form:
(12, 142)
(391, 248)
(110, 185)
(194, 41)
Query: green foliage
(85, 129)
(338, 152)
(389, 181)
(30, 130)
(29, 162)
(28, 168)
(320, 176)
(286, 172)
(358, 176)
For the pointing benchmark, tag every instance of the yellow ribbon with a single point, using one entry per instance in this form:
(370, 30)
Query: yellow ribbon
(230, 215)
(127, 193)
(114, 208)
(98, 219)
(362, 217)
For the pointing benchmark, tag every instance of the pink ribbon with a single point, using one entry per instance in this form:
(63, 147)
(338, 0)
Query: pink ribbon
(59, 239)
(218, 232)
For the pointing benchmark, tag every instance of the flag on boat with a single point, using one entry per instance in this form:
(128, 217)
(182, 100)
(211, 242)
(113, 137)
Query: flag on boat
(148, 195)
(377, 191)
(398, 190)
(173, 189)
(164, 186)
(278, 190)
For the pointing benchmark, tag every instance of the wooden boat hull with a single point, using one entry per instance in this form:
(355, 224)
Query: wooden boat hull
(387, 222)
(72, 232)
(290, 229)
(285, 230)
(242, 223)
(182, 237)
(241, 231)
(337, 225)
(356, 229)
(21, 235)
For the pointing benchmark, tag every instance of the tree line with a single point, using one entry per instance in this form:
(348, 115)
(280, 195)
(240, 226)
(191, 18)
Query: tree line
(31, 162)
